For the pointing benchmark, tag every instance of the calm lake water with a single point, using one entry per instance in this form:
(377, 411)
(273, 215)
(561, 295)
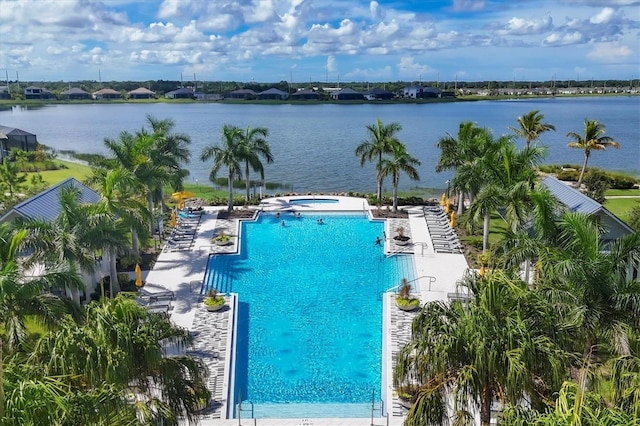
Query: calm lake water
(313, 145)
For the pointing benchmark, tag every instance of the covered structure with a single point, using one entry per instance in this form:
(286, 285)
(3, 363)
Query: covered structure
(33, 92)
(75, 93)
(106, 93)
(378, 94)
(576, 201)
(181, 93)
(141, 93)
(347, 94)
(421, 92)
(305, 95)
(241, 94)
(274, 94)
(16, 138)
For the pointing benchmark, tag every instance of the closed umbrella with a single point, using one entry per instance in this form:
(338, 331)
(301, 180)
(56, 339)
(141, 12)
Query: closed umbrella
(138, 276)
(452, 223)
(174, 219)
(442, 201)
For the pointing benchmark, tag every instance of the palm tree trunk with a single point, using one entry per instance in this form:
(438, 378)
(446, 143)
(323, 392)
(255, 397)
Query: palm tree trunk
(135, 242)
(379, 194)
(230, 201)
(485, 232)
(113, 273)
(161, 200)
(485, 407)
(460, 203)
(584, 167)
(150, 207)
(246, 181)
(395, 196)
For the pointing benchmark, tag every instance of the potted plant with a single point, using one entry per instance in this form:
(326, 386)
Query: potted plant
(404, 300)
(407, 396)
(401, 239)
(221, 239)
(214, 301)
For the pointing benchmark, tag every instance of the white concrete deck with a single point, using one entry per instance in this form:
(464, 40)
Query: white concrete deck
(183, 271)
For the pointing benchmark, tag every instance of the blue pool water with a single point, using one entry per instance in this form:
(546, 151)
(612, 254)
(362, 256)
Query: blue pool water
(310, 313)
(313, 201)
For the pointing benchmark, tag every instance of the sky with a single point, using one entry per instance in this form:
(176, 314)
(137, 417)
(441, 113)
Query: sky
(319, 40)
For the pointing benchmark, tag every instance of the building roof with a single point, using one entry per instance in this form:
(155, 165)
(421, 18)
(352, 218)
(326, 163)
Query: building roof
(142, 91)
(274, 91)
(12, 131)
(243, 92)
(46, 205)
(576, 201)
(106, 91)
(377, 91)
(348, 91)
(180, 91)
(573, 199)
(74, 91)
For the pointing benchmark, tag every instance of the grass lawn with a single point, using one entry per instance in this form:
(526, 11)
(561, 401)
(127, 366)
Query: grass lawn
(621, 207)
(52, 177)
(624, 192)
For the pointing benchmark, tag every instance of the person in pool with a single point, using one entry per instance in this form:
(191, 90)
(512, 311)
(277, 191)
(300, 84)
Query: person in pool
(378, 241)
(320, 221)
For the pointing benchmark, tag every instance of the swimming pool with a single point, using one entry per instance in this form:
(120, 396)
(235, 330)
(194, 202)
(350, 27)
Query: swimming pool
(309, 313)
(313, 201)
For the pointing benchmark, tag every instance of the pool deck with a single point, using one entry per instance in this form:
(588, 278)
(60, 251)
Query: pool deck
(182, 272)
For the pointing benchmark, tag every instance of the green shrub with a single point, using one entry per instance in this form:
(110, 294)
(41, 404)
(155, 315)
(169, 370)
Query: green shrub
(596, 183)
(634, 217)
(569, 175)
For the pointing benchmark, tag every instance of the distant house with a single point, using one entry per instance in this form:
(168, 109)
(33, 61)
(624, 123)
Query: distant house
(241, 94)
(33, 92)
(75, 93)
(576, 201)
(46, 206)
(421, 92)
(201, 96)
(347, 94)
(16, 138)
(305, 95)
(273, 93)
(141, 93)
(5, 93)
(181, 93)
(106, 93)
(377, 94)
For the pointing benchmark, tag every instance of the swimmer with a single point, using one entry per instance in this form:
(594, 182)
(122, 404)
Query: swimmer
(278, 215)
(378, 241)
(283, 224)
(320, 221)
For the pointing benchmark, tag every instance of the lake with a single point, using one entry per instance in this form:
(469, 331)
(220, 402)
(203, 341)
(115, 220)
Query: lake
(313, 144)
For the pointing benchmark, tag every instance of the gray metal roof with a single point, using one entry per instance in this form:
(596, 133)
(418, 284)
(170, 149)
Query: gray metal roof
(12, 131)
(573, 199)
(46, 205)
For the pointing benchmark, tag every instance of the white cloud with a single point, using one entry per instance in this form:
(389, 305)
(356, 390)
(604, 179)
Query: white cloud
(556, 39)
(610, 53)
(605, 16)
(519, 26)
(411, 70)
(374, 9)
(331, 64)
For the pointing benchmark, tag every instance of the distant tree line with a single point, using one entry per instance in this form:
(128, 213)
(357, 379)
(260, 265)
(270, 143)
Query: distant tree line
(220, 87)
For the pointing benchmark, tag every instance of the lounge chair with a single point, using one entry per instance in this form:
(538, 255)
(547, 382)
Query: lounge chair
(158, 295)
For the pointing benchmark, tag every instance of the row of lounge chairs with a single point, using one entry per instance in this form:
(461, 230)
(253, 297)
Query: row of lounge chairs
(443, 237)
(184, 233)
(155, 301)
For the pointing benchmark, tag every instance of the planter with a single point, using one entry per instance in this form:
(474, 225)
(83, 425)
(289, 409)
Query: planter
(214, 308)
(406, 403)
(221, 242)
(408, 306)
(401, 241)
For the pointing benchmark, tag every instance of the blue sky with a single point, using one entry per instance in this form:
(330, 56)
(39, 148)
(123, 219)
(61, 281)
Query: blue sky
(319, 40)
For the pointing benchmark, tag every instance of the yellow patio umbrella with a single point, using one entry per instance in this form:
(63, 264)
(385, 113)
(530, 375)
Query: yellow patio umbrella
(443, 199)
(447, 206)
(174, 218)
(181, 196)
(138, 276)
(452, 222)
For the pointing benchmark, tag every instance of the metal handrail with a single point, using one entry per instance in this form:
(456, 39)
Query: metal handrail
(432, 280)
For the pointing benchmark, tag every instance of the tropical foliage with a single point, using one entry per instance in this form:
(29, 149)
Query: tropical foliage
(593, 139)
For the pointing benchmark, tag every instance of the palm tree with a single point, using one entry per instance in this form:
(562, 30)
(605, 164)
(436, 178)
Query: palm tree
(381, 140)
(254, 146)
(530, 126)
(169, 151)
(400, 162)
(10, 179)
(26, 293)
(123, 345)
(228, 155)
(458, 153)
(592, 139)
(499, 347)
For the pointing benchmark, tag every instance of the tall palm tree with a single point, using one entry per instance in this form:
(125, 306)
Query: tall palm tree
(11, 180)
(169, 151)
(530, 126)
(381, 140)
(592, 140)
(253, 147)
(499, 347)
(228, 156)
(458, 153)
(25, 292)
(401, 161)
